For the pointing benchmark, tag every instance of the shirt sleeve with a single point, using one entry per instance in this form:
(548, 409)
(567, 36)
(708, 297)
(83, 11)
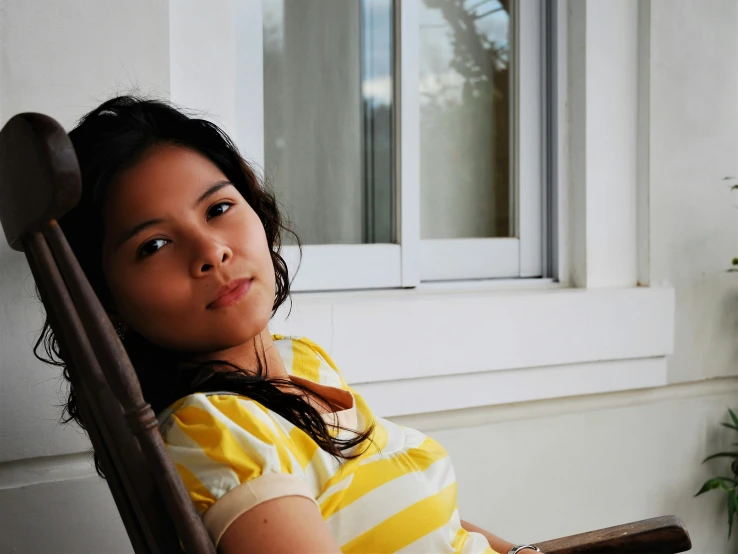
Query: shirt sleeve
(323, 356)
(232, 454)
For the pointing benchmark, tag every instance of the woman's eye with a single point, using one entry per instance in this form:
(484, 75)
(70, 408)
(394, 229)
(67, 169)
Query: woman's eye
(151, 247)
(219, 209)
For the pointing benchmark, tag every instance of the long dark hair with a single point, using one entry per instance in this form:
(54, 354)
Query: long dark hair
(113, 138)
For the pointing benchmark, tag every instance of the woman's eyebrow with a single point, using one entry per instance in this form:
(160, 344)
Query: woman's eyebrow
(215, 187)
(136, 230)
(212, 190)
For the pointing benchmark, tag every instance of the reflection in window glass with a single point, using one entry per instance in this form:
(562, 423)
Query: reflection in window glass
(465, 107)
(328, 116)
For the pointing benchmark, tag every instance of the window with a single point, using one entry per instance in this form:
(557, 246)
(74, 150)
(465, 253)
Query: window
(406, 139)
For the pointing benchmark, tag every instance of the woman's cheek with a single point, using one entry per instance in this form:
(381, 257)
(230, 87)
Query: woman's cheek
(149, 300)
(165, 298)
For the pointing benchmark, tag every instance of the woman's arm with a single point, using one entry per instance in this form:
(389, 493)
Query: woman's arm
(498, 545)
(280, 526)
(294, 524)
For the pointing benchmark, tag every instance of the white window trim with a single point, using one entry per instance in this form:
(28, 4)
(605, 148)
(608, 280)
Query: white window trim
(407, 155)
(610, 335)
(421, 350)
(344, 266)
(456, 259)
(531, 136)
(483, 258)
(480, 330)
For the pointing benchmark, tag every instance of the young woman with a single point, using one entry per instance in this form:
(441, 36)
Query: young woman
(181, 242)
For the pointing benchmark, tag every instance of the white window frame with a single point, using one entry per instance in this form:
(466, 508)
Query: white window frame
(413, 260)
(522, 255)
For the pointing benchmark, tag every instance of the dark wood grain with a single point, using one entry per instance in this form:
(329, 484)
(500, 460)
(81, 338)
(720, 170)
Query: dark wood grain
(39, 175)
(660, 535)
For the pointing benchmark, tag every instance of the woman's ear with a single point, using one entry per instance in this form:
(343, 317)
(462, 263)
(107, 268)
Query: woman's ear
(120, 326)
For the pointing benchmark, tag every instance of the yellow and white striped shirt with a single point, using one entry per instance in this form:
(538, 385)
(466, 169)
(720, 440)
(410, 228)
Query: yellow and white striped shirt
(399, 495)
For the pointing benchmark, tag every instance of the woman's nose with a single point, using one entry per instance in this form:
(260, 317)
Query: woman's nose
(210, 255)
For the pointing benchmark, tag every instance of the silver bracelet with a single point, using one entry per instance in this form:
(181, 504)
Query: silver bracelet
(516, 549)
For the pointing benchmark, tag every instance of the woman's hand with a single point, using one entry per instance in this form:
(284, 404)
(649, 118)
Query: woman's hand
(498, 545)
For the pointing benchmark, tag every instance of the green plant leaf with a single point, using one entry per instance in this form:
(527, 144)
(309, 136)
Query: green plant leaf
(733, 417)
(721, 455)
(723, 483)
(732, 510)
(730, 426)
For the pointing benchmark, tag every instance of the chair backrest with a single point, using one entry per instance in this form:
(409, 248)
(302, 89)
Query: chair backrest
(39, 183)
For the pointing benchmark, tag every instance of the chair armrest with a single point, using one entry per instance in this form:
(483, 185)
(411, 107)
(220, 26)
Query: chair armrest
(660, 535)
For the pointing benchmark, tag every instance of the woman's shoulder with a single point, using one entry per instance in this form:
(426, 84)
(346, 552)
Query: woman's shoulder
(304, 358)
(220, 407)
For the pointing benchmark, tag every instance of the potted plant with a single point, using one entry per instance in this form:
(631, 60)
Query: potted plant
(726, 484)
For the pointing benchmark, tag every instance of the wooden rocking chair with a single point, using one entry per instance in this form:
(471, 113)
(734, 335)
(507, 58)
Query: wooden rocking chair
(39, 183)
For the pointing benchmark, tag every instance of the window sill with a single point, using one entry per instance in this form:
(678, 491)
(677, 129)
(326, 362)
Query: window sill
(444, 347)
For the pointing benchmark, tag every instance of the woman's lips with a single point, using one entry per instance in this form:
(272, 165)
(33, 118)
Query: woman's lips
(231, 293)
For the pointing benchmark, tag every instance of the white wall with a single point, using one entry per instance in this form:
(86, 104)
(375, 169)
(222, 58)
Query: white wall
(528, 471)
(693, 145)
(545, 469)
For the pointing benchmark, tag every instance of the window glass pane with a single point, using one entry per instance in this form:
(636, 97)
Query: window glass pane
(328, 106)
(465, 114)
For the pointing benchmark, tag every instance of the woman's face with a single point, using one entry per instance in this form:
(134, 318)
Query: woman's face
(184, 255)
